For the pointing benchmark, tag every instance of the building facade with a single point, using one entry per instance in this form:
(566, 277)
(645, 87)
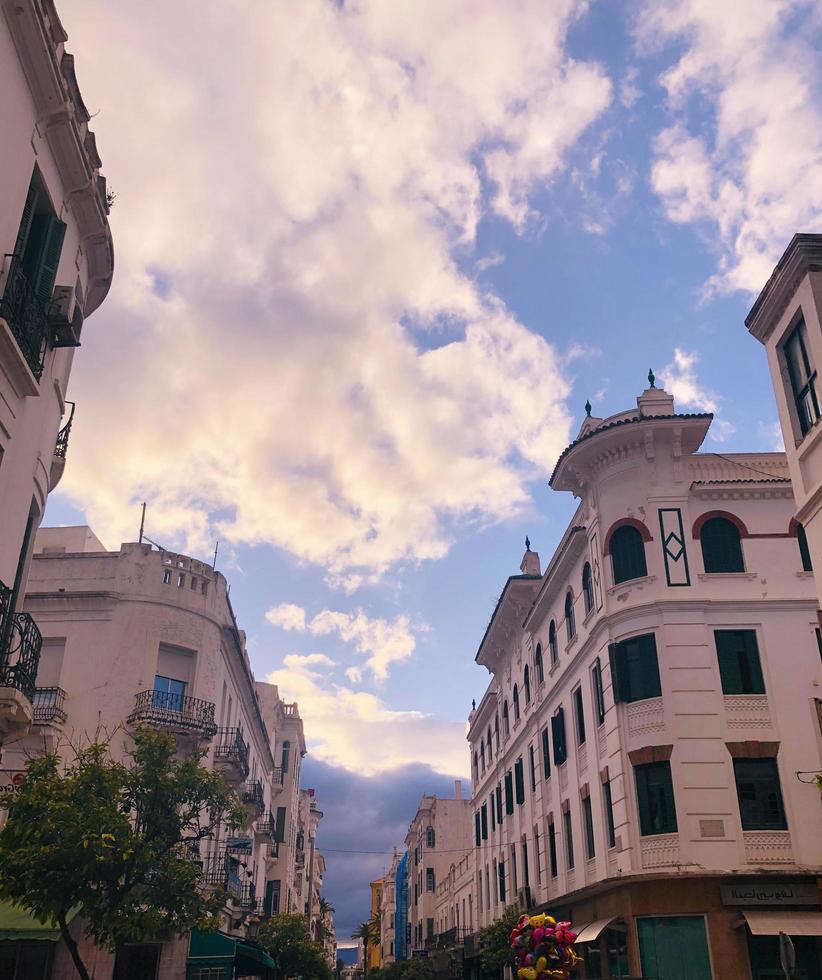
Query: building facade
(56, 268)
(653, 697)
(388, 914)
(147, 637)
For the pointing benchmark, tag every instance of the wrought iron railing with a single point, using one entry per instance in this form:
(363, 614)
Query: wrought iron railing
(166, 710)
(451, 937)
(61, 446)
(246, 896)
(266, 826)
(232, 749)
(215, 871)
(20, 645)
(48, 705)
(277, 776)
(252, 795)
(27, 320)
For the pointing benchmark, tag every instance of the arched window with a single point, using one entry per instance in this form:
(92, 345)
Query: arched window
(526, 683)
(489, 745)
(515, 699)
(538, 665)
(627, 554)
(588, 587)
(476, 766)
(804, 550)
(284, 759)
(721, 546)
(570, 625)
(496, 731)
(552, 642)
(506, 728)
(482, 755)
(429, 837)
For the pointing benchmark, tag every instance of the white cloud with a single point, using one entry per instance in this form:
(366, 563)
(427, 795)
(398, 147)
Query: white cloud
(771, 434)
(629, 90)
(356, 730)
(680, 380)
(303, 178)
(751, 176)
(383, 642)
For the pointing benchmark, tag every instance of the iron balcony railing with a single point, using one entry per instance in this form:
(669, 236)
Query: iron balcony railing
(252, 795)
(232, 750)
(165, 710)
(27, 320)
(20, 645)
(245, 896)
(451, 937)
(61, 446)
(266, 826)
(48, 705)
(215, 871)
(277, 776)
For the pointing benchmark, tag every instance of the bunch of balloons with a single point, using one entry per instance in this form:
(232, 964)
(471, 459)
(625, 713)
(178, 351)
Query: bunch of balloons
(543, 948)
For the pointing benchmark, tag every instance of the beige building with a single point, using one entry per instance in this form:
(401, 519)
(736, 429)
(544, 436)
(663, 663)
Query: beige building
(440, 830)
(56, 264)
(141, 636)
(388, 914)
(653, 696)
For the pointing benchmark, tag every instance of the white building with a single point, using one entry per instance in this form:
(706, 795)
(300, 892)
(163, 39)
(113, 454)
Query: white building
(56, 264)
(388, 913)
(140, 636)
(652, 697)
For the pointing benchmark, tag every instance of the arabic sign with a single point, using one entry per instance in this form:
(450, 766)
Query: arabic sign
(775, 893)
(10, 780)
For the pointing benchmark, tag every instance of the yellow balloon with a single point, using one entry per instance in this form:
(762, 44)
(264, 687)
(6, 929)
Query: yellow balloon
(527, 973)
(541, 965)
(550, 920)
(538, 920)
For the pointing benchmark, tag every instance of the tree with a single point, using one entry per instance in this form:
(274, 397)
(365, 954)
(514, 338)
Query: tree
(114, 838)
(326, 908)
(495, 944)
(366, 933)
(287, 938)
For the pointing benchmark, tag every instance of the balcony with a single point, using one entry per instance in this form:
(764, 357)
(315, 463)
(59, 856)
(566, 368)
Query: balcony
(252, 796)
(48, 705)
(231, 754)
(58, 458)
(174, 713)
(20, 644)
(265, 829)
(276, 779)
(26, 318)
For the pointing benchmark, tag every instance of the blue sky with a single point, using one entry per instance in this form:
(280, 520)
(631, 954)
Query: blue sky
(371, 261)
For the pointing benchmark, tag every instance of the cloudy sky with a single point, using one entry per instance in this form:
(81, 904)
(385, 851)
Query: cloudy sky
(372, 256)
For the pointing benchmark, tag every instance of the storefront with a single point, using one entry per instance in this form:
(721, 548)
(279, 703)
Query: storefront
(26, 945)
(215, 956)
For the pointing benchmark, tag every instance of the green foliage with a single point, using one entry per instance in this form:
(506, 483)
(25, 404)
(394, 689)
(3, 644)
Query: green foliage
(111, 837)
(495, 944)
(286, 936)
(413, 969)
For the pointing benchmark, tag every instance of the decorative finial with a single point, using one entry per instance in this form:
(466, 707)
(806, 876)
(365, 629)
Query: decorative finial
(527, 543)
(651, 378)
(588, 408)
(473, 704)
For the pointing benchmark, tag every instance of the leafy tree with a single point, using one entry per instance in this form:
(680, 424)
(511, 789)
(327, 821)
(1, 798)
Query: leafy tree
(287, 938)
(326, 908)
(112, 837)
(495, 944)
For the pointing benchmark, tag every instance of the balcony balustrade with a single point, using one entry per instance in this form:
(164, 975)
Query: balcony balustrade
(265, 829)
(61, 446)
(231, 754)
(175, 713)
(23, 312)
(20, 645)
(445, 940)
(252, 796)
(48, 705)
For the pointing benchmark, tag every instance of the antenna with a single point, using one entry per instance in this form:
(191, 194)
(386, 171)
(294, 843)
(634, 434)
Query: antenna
(214, 563)
(142, 523)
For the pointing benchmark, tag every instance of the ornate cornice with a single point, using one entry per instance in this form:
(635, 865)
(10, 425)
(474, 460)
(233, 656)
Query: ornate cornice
(803, 255)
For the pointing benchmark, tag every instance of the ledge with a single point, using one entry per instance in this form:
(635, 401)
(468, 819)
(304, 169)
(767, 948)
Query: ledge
(631, 583)
(739, 576)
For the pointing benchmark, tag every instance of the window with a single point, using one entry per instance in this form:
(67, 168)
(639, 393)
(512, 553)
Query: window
(803, 378)
(739, 665)
(429, 872)
(533, 760)
(634, 669)
(579, 716)
(181, 581)
(482, 755)
(569, 838)
(477, 829)
(476, 765)
(493, 810)
(609, 813)
(668, 942)
(26, 960)
(167, 576)
(519, 780)
(760, 795)
(39, 241)
(804, 550)
(429, 928)
(546, 755)
(570, 625)
(721, 546)
(509, 793)
(496, 731)
(552, 643)
(193, 584)
(587, 588)
(506, 728)
(599, 694)
(168, 693)
(627, 554)
(558, 737)
(655, 798)
(284, 756)
(526, 683)
(501, 873)
(538, 665)
(526, 877)
(552, 849)
(430, 837)
(271, 905)
(588, 822)
(137, 962)
(484, 821)
(537, 864)
(515, 699)
(499, 804)
(489, 745)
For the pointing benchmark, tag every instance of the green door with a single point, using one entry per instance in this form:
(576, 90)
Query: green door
(674, 947)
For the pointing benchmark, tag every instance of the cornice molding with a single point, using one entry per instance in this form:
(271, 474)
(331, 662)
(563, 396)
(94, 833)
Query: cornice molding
(803, 255)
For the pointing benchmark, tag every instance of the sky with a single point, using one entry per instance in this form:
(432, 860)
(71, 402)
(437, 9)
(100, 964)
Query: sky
(371, 259)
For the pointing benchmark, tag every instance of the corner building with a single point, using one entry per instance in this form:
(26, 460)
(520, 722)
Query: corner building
(652, 700)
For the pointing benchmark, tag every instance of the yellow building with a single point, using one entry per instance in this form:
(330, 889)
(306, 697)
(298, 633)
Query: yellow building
(374, 951)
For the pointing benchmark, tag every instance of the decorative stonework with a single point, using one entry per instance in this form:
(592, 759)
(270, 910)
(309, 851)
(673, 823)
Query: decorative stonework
(768, 846)
(582, 759)
(591, 869)
(645, 717)
(563, 779)
(661, 850)
(613, 863)
(707, 468)
(747, 711)
(602, 745)
(570, 881)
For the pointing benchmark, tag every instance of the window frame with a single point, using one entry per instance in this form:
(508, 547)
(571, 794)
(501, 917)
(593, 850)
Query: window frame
(598, 691)
(526, 684)
(559, 741)
(799, 391)
(546, 753)
(568, 828)
(539, 666)
(646, 679)
(570, 622)
(628, 558)
(749, 822)
(608, 803)
(588, 587)
(745, 662)
(579, 714)
(588, 827)
(721, 557)
(648, 783)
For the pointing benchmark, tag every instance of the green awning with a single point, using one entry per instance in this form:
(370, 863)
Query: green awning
(16, 923)
(217, 949)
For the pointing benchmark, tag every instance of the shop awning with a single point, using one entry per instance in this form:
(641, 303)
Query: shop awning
(217, 949)
(792, 923)
(591, 932)
(16, 923)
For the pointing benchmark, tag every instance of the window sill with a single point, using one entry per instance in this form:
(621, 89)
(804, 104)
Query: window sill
(553, 668)
(809, 440)
(589, 616)
(572, 641)
(631, 583)
(740, 576)
(804, 574)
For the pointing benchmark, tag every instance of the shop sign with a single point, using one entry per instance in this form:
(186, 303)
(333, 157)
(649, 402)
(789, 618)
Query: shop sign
(11, 780)
(775, 893)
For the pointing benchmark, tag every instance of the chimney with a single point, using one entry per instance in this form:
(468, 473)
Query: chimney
(457, 789)
(530, 561)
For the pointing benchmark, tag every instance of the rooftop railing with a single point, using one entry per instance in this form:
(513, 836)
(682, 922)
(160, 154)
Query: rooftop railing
(162, 709)
(27, 320)
(20, 646)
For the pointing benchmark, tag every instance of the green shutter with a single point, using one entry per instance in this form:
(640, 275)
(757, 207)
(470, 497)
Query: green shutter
(721, 546)
(655, 799)
(546, 755)
(47, 273)
(268, 902)
(558, 733)
(501, 873)
(739, 667)
(484, 821)
(492, 808)
(509, 793)
(25, 221)
(674, 946)
(477, 832)
(519, 781)
(651, 687)
(628, 554)
(552, 849)
(579, 711)
(760, 794)
(279, 827)
(590, 846)
(613, 660)
(499, 804)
